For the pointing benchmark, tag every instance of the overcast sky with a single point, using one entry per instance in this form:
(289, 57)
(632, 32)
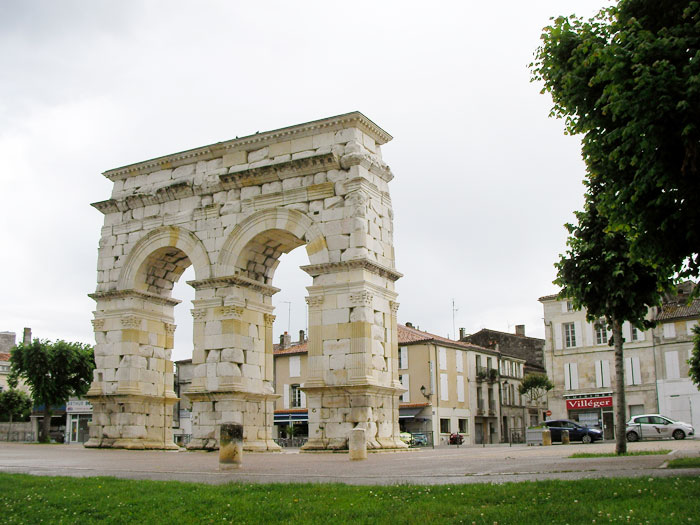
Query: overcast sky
(484, 179)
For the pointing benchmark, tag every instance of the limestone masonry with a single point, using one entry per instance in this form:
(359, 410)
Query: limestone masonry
(230, 210)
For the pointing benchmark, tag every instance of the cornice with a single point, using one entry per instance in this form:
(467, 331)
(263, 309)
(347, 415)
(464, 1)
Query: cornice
(365, 264)
(241, 176)
(258, 140)
(134, 294)
(234, 280)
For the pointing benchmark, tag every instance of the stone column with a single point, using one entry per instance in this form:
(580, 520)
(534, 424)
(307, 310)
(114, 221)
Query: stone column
(132, 390)
(233, 362)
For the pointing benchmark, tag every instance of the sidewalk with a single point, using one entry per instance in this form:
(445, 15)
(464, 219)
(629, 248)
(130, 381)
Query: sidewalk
(465, 464)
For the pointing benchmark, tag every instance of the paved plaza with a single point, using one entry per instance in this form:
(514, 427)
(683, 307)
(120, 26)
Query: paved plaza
(473, 464)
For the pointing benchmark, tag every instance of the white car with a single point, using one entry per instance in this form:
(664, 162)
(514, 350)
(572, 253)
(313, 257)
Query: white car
(650, 426)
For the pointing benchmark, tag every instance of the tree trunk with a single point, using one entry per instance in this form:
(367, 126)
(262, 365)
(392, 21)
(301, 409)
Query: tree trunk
(620, 403)
(46, 425)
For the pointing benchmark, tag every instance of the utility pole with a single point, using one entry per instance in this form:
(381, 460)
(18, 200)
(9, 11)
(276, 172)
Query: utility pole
(289, 316)
(454, 331)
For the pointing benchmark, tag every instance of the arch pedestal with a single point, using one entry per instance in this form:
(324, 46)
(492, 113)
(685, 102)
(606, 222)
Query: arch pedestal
(230, 210)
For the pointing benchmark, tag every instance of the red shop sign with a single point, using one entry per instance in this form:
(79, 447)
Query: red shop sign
(589, 402)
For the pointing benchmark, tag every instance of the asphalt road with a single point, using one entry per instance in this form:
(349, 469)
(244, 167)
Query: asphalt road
(472, 464)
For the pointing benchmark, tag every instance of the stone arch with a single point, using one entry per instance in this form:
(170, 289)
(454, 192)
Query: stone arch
(254, 246)
(158, 259)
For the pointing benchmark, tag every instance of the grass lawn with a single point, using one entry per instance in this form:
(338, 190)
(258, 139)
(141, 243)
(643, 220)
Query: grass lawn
(684, 463)
(612, 454)
(38, 499)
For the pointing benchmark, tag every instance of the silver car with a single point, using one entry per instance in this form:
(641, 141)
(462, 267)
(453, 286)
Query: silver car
(656, 426)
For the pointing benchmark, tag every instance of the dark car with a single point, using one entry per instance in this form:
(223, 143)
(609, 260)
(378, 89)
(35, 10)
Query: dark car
(577, 432)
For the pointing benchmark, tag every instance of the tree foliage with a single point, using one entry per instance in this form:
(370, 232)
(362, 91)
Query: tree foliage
(694, 361)
(15, 405)
(535, 386)
(53, 371)
(597, 273)
(628, 80)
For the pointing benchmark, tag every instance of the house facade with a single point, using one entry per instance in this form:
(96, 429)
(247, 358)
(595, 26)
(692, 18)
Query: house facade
(579, 360)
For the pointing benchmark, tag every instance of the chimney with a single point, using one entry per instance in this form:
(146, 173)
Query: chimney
(409, 324)
(462, 333)
(520, 329)
(285, 340)
(27, 337)
(302, 336)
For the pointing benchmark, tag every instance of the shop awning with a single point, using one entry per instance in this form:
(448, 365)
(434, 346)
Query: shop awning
(409, 412)
(296, 416)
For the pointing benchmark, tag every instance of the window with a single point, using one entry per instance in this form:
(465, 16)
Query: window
(295, 366)
(444, 425)
(296, 396)
(444, 394)
(689, 325)
(635, 334)
(569, 335)
(672, 370)
(462, 426)
(602, 374)
(406, 396)
(601, 334)
(633, 372)
(442, 358)
(569, 306)
(570, 376)
(403, 357)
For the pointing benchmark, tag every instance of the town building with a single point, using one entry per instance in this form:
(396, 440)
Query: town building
(450, 387)
(579, 360)
(524, 348)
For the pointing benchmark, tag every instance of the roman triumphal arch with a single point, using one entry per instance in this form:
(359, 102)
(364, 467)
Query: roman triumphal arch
(230, 210)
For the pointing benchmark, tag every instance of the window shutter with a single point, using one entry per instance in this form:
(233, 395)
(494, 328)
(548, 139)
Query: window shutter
(669, 330)
(442, 358)
(460, 361)
(628, 371)
(636, 371)
(672, 371)
(285, 389)
(444, 394)
(640, 335)
(460, 389)
(689, 326)
(295, 366)
(626, 331)
(590, 334)
(598, 374)
(574, 376)
(404, 357)
(567, 376)
(564, 307)
(605, 368)
(578, 333)
(557, 336)
(406, 397)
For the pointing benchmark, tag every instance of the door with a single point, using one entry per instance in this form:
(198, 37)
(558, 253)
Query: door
(609, 425)
(74, 430)
(658, 427)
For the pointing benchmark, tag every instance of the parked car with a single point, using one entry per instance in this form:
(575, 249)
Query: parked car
(657, 426)
(405, 437)
(577, 432)
(419, 440)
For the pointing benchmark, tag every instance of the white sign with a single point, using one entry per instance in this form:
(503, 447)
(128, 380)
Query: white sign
(78, 407)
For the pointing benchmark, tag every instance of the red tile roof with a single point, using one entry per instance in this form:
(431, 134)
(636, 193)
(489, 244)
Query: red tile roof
(294, 349)
(409, 334)
(679, 311)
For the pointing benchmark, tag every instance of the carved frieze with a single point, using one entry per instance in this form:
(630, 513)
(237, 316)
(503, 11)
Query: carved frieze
(231, 312)
(314, 301)
(98, 324)
(199, 314)
(361, 299)
(131, 321)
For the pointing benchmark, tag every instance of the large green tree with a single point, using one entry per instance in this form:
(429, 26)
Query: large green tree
(54, 372)
(597, 274)
(628, 80)
(535, 387)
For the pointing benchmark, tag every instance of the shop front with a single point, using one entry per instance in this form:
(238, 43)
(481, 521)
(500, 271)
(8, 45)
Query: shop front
(78, 417)
(593, 410)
